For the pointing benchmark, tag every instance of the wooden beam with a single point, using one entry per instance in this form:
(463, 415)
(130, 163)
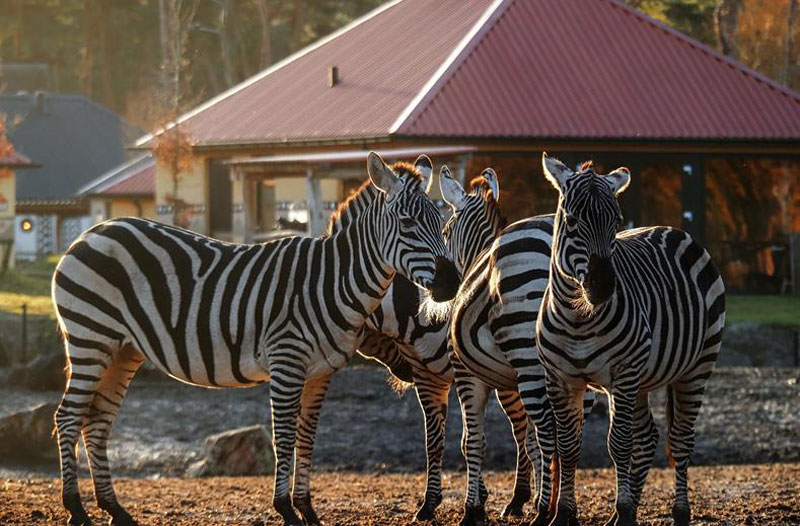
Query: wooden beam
(248, 199)
(316, 213)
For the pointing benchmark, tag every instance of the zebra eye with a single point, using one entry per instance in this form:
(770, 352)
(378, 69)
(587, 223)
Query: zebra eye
(572, 221)
(407, 222)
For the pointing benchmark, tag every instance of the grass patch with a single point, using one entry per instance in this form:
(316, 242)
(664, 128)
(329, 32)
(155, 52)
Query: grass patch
(28, 284)
(768, 310)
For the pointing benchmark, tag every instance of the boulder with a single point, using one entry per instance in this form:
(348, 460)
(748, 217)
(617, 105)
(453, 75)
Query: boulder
(43, 373)
(28, 435)
(239, 452)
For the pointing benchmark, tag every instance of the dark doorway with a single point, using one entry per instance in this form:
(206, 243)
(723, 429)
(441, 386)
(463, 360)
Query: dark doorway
(220, 200)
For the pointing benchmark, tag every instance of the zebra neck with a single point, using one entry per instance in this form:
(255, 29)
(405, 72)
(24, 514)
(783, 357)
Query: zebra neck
(363, 275)
(566, 301)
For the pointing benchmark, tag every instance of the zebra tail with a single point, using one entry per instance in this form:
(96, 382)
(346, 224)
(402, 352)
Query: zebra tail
(555, 481)
(670, 416)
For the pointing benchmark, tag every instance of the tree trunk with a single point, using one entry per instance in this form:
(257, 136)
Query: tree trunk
(298, 24)
(726, 25)
(104, 53)
(787, 69)
(86, 51)
(225, 41)
(266, 35)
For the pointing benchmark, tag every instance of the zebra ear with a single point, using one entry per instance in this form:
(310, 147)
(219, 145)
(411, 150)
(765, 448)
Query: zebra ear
(490, 177)
(555, 171)
(452, 191)
(619, 179)
(382, 177)
(425, 167)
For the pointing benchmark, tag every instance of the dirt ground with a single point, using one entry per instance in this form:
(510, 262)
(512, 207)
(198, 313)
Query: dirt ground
(765, 495)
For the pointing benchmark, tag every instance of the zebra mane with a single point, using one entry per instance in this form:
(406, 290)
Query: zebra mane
(359, 199)
(480, 184)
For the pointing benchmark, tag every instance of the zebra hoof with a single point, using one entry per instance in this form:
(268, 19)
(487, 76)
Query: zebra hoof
(541, 519)
(681, 516)
(515, 507)
(78, 519)
(120, 517)
(565, 518)
(303, 505)
(474, 517)
(427, 512)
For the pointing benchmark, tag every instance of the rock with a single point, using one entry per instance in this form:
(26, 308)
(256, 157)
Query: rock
(43, 373)
(28, 435)
(239, 452)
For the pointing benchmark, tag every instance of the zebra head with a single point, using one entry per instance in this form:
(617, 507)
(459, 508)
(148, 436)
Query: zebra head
(586, 225)
(411, 226)
(476, 218)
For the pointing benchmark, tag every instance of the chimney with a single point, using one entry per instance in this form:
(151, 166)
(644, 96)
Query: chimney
(333, 76)
(39, 99)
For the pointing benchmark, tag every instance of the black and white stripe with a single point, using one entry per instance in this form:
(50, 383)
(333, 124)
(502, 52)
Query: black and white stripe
(492, 334)
(222, 315)
(413, 345)
(626, 313)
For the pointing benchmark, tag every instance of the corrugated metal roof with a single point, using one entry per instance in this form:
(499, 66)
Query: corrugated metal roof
(583, 69)
(136, 177)
(597, 69)
(384, 60)
(16, 160)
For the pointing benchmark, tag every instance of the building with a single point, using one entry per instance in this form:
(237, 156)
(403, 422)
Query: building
(9, 165)
(126, 190)
(73, 141)
(713, 146)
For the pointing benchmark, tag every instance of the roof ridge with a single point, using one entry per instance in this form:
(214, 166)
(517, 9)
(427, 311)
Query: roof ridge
(273, 68)
(703, 48)
(107, 176)
(451, 64)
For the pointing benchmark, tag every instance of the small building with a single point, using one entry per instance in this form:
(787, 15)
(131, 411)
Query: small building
(73, 141)
(714, 146)
(9, 165)
(127, 190)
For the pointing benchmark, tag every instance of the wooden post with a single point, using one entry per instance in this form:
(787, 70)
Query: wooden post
(316, 218)
(24, 332)
(248, 195)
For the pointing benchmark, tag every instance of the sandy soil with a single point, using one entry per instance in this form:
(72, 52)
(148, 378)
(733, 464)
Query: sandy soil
(749, 416)
(765, 495)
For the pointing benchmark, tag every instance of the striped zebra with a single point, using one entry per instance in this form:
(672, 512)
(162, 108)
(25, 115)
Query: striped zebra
(493, 342)
(627, 313)
(215, 314)
(413, 346)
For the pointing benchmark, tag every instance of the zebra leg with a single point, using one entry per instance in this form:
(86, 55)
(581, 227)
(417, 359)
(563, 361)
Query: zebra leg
(684, 399)
(104, 409)
(86, 365)
(473, 396)
(624, 394)
(310, 408)
(432, 394)
(645, 440)
(511, 403)
(567, 405)
(285, 392)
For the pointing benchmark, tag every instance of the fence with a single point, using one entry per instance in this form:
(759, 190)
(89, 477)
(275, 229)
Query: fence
(24, 337)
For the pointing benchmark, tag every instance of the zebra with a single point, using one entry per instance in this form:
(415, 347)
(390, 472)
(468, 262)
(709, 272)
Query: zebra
(413, 346)
(216, 314)
(492, 336)
(625, 312)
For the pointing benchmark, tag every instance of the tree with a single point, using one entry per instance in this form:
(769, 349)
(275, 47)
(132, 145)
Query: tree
(172, 148)
(726, 25)
(6, 152)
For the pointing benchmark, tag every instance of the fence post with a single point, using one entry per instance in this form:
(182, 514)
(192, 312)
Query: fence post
(24, 332)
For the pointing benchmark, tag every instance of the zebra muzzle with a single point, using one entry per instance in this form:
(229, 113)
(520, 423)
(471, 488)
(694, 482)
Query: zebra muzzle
(445, 280)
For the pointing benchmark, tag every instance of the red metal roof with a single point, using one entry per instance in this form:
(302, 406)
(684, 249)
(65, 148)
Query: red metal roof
(16, 160)
(384, 60)
(598, 69)
(584, 69)
(136, 177)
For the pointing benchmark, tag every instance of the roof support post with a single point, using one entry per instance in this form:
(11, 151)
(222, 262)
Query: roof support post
(249, 189)
(316, 213)
(461, 168)
(693, 198)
